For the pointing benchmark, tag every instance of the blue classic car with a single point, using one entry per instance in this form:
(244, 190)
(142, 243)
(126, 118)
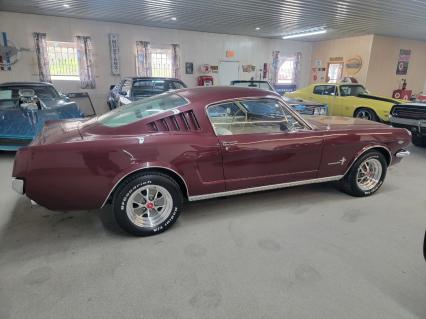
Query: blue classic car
(25, 107)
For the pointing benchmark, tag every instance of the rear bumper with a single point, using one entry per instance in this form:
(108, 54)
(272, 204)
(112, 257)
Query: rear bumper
(417, 127)
(18, 185)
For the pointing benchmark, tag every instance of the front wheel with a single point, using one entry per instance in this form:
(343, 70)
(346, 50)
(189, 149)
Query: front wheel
(366, 114)
(147, 204)
(366, 175)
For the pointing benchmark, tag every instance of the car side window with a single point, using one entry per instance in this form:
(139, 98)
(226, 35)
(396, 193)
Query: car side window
(178, 85)
(325, 90)
(252, 117)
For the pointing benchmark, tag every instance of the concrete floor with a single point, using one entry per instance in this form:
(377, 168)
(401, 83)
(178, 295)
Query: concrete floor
(305, 252)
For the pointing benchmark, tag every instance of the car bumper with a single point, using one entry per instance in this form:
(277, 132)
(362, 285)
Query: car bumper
(417, 127)
(402, 153)
(18, 185)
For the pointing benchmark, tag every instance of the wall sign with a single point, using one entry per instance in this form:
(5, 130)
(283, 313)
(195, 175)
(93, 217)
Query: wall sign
(248, 68)
(114, 47)
(404, 58)
(189, 68)
(353, 65)
(230, 54)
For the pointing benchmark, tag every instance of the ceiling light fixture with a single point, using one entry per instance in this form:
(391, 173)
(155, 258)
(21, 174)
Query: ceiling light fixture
(257, 28)
(173, 18)
(305, 33)
(66, 5)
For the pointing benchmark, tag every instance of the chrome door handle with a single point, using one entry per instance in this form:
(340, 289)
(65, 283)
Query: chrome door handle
(227, 145)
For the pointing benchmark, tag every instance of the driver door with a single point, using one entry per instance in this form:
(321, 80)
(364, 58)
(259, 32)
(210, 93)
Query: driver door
(263, 143)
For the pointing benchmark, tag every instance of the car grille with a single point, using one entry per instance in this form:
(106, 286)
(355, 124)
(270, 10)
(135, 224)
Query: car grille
(416, 112)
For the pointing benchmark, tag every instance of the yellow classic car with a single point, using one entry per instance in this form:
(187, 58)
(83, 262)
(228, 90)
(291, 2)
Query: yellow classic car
(348, 100)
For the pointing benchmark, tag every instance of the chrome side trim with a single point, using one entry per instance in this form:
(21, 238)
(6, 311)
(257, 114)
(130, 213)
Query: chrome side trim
(367, 148)
(18, 186)
(279, 99)
(402, 153)
(264, 188)
(144, 169)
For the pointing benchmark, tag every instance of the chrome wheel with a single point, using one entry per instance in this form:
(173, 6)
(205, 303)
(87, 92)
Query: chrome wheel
(364, 114)
(149, 206)
(369, 174)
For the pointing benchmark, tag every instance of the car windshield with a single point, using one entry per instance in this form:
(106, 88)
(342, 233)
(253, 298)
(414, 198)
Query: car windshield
(352, 90)
(139, 110)
(9, 95)
(254, 84)
(147, 88)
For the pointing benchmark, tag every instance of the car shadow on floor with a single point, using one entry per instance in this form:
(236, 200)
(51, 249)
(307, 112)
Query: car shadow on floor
(35, 226)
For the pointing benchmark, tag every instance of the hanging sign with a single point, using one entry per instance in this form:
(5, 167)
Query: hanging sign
(353, 65)
(404, 58)
(115, 53)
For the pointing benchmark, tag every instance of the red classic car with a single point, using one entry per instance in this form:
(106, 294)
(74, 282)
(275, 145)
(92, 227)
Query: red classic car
(149, 157)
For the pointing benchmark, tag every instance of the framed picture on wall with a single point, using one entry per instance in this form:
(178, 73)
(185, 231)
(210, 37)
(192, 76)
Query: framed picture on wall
(189, 68)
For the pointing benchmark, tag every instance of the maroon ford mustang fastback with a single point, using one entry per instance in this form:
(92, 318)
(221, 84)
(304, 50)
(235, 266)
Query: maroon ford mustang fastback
(191, 144)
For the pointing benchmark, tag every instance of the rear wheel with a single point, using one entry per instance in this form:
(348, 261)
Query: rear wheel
(366, 114)
(366, 175)
(147, 204)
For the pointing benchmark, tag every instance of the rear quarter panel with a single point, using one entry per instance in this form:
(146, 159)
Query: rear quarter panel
(81, 175)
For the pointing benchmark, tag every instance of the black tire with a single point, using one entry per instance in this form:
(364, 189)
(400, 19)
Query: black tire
(367, 114)
(137, 182)
(419, 141)
(349, 184)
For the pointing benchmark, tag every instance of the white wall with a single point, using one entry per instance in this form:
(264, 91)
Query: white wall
(196, 47)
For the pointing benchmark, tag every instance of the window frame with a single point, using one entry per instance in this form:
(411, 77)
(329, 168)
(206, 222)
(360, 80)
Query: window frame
(349, 85)
(336, 92)
(341, 67)
(161, 49)
(283, 60)
(63, 77)
(307, 126)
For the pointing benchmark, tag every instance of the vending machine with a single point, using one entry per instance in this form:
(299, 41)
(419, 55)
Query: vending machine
(205, 80)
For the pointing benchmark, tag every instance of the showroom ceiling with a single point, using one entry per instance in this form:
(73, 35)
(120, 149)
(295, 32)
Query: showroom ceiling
(272, 18)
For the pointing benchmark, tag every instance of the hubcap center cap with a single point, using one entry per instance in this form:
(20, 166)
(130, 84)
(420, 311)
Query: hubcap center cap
(150, 205)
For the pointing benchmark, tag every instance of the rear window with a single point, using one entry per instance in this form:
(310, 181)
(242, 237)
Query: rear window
(146, 88)
(139, 110)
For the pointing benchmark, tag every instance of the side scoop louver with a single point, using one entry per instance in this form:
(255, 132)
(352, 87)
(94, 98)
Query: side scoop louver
(185, 121)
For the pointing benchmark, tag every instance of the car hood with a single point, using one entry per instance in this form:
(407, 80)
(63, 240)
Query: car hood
(342, 123)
